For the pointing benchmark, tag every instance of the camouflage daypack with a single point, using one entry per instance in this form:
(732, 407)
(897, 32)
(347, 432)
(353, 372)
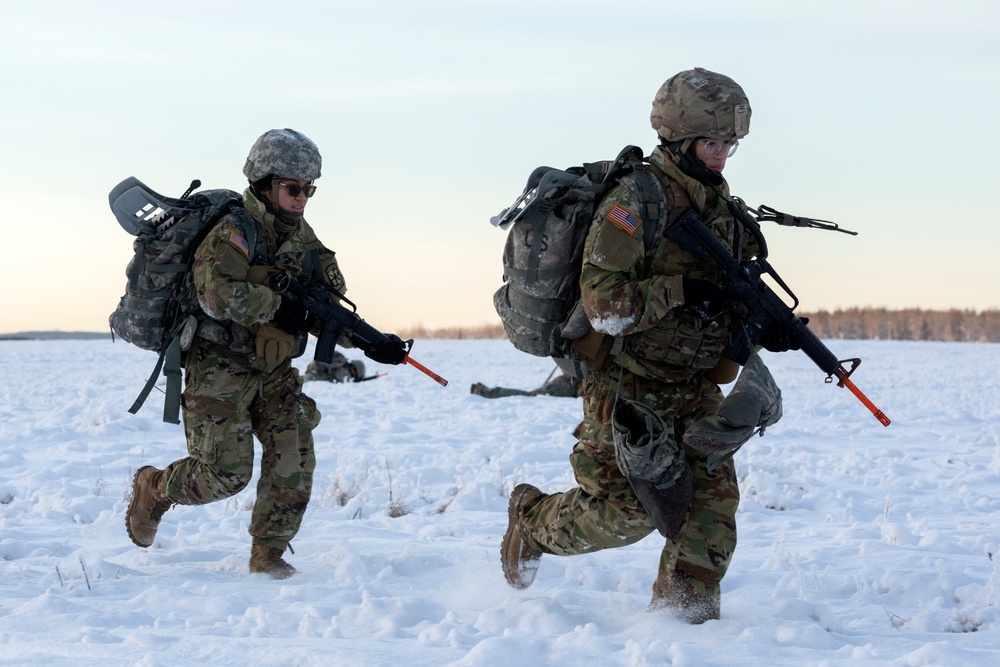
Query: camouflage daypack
(539, 302)
(157, 311)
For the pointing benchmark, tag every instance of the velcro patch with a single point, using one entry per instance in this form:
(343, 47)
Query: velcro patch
(624, 218)
(240, 243)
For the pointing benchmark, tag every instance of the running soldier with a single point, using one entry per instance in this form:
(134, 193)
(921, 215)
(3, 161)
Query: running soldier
(239, 379)
(669, 307)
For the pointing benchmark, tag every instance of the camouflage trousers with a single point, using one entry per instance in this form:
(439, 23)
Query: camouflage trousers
(226, 403)
(603, 511)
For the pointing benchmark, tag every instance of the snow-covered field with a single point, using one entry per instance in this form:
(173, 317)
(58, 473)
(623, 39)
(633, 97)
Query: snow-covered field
(859, 545)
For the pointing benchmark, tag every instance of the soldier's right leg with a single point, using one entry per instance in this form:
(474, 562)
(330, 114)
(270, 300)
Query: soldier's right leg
(219, 433)
(219, 463)
(603, 511)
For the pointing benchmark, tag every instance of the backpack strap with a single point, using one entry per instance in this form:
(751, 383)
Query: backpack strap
(148, 387)
(652, 202)
(172, 371)
(662, 204)
(170, 361)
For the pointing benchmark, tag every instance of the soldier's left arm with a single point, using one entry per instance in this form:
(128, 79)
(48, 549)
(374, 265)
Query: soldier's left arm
(617, 297)
(220, 268)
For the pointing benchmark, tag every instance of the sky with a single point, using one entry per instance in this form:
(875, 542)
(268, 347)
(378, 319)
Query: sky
(859, 545)
(430, 115)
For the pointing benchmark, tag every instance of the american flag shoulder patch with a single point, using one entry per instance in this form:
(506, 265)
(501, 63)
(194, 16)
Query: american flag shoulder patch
(624, 218)
(240, 243)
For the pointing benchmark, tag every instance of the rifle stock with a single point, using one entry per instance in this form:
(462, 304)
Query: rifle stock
(324, 303)
(764, 308)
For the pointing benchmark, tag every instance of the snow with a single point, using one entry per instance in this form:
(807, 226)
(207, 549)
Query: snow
(859, 544)
(613, 325)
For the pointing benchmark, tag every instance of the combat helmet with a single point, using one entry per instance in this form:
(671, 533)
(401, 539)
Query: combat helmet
(699, 103)
(284, 153)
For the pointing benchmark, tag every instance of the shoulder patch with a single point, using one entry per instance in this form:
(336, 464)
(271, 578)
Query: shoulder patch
(237, 241)
(624, 218)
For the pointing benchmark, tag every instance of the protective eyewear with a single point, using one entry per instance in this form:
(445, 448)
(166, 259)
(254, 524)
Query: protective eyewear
(713, 147)
(294, 189)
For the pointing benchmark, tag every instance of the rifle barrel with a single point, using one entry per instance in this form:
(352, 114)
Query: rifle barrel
(844, 381)
(426, 371)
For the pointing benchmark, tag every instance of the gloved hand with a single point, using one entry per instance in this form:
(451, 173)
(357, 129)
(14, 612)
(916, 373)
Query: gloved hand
(293, 316)
(390, 351)
(781, 338)
(704, 297)
(277, 278)
(273, 345)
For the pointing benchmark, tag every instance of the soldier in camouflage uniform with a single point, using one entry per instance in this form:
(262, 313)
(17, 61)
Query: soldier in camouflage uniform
(239, 379)
(668, 309)
(561, 385)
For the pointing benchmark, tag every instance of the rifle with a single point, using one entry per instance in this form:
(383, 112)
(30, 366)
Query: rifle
(324, 302)
(764, 309)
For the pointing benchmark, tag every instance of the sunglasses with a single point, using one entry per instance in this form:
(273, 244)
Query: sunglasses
(713, 147)
(294, 189)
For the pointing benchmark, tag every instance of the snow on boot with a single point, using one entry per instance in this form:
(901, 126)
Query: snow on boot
(268, 560)
(518, 558)
(685, 598)
(147, 506)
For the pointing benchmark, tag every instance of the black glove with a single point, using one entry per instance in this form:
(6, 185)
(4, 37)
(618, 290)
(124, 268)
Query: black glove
(390, 351)
(293, 316)
(781, 338)
(704, 297)
(278, 281)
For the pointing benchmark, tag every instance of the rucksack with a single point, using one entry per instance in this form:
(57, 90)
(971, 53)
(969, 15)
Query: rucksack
(539, 302)
(157, 311)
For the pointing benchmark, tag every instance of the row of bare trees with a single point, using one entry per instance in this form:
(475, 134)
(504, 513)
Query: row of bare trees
(851, 323)
(908, 324)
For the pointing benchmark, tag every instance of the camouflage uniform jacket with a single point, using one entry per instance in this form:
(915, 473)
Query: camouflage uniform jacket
(637, 294)
(231, 305)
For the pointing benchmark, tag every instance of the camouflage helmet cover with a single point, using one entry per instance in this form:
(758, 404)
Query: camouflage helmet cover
(699, 103)
(285, 153)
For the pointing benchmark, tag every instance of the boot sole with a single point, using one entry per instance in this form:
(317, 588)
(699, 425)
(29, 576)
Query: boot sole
(131, 508)
(522, 573)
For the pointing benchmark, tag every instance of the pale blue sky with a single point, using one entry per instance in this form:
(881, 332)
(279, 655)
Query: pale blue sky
(430, 114)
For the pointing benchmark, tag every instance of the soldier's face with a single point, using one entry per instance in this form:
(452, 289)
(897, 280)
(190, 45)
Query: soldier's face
(712, 152)
(293, 195)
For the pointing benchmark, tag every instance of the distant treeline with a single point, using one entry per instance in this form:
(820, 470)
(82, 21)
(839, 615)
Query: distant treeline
(454, 333)
(852, 323)
(965, 326)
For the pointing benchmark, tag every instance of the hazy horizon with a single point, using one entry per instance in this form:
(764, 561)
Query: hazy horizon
(430, 117)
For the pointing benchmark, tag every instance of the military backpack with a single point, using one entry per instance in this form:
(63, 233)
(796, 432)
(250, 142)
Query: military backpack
(539, 301)
(159, 307)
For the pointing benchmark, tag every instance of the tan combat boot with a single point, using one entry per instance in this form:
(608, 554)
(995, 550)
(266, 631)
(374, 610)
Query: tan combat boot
(518, 558)
(686, 598)
(147, 506)
(268, 560)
